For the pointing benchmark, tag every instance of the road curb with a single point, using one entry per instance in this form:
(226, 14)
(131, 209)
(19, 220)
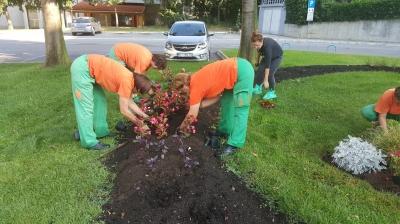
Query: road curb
(221, 55)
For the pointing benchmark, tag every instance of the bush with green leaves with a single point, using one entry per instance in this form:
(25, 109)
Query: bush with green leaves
(358, 156)
(332, 11)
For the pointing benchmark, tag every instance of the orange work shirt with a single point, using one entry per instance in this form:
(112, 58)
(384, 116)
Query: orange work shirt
(387, 103)
(135, 56)
(111, 75)
(213, 79)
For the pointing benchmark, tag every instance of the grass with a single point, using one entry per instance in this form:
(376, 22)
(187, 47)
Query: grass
(46, 177)
(304, 58)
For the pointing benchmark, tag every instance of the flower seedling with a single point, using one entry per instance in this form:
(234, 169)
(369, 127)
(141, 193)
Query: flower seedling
(189, 162)
(152, 163)
(140, 130)
(267, 104)
(143, 141)
(394, 163)
(159, 121)
(162, 147)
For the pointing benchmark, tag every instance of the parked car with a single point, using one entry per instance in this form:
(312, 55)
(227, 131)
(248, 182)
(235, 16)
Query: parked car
(188, 41)
(88, 25)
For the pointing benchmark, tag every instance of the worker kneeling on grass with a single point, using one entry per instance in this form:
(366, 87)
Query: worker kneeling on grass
(89, 73)
(230, 80)
(387, 107)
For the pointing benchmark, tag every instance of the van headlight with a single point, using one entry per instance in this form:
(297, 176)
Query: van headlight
(168, 45)
(203, 45)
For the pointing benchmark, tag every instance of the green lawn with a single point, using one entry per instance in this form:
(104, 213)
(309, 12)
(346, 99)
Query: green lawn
(46, 177)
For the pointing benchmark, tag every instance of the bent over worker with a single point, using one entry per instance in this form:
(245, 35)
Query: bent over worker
(272, 57)
(387, 107)
(230, 80)
(137, 58)
(89, 73)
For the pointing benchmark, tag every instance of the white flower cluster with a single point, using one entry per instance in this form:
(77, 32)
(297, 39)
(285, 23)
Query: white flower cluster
(358, 156)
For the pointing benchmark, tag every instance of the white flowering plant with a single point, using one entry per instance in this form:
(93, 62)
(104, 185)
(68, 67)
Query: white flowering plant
(358, 156)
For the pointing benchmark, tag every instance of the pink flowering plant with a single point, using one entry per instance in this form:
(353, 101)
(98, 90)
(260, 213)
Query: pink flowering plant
(189, 128)
(394, 163)
(159, 121)
(167, 76)
(145, 105)
(141, 130)
(169, 101)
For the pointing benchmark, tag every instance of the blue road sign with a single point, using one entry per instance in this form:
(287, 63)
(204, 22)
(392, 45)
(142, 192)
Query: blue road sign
(311, 3)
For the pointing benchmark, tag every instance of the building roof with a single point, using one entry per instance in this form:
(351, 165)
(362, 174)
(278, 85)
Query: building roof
(101, 7)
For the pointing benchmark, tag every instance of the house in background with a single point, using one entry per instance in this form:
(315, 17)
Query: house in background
(131, 13)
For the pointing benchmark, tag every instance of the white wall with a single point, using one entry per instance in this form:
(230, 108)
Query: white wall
(16, 16)
(376, 31)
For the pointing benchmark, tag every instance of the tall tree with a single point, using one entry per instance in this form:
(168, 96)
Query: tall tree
(249, 19)
(56, 51)
(4, 11)
(115, 3)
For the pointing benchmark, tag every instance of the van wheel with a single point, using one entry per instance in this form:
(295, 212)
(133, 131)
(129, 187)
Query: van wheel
(73, 34)
(93, 32)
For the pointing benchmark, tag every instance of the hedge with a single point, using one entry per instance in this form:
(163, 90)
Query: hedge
(296, 11)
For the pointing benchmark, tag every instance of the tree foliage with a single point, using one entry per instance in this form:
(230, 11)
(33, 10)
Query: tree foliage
(340, 10)
(209, 11)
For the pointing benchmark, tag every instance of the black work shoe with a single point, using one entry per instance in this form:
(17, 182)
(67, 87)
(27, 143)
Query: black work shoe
(228, 150)
(220, 134)
(100, 146)
(110, 134)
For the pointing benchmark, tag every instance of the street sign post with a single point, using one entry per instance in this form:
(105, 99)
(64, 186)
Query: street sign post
(310, 14)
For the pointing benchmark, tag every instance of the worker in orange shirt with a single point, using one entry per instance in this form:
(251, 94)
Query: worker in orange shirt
(89, 73)
(230, 80)
(137, 58)
(387, 107)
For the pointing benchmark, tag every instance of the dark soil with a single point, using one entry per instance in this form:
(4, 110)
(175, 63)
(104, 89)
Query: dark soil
(206, 193)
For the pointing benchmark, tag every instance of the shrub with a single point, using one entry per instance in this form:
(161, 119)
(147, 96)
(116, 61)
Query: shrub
(332, 11)
(358, 156)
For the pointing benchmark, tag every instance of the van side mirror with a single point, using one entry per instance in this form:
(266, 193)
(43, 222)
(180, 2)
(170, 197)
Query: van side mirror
(210, 34)
(165, 33)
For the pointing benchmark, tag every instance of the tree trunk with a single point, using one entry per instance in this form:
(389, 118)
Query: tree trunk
(56, 51)
(248, 25)
(116, 17)
(8, 18)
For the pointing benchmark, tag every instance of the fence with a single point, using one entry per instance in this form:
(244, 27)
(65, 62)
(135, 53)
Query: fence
(272, 2)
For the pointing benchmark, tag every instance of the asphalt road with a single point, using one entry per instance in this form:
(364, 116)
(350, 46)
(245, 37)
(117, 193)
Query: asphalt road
(29, 45)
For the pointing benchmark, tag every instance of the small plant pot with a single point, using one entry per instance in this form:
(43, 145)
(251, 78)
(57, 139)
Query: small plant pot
(120, 126)
(214, 142)
(77, 136)
(396, 180)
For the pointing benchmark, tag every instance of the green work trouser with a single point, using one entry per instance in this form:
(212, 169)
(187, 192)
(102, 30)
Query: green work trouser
(235, 105)
(112, 56)
(369, 114)
(90, 103)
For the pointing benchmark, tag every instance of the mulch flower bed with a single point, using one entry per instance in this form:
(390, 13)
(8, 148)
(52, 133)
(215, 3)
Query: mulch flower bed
(192, 186)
